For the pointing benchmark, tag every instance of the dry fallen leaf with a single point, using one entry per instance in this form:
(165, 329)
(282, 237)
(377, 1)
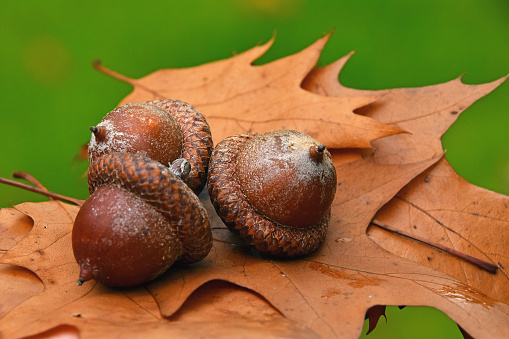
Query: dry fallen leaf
(236, 97)
(329, 292)
(441, 206)
(374, 314)
(473, 214)
(17, 283)
(92, 310)
(427, 113)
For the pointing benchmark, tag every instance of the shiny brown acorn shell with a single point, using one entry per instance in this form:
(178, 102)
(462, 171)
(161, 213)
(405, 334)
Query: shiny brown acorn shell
(119, 240)
(197, 141)
(287, 176)
(240, 217)
(192, 140)
(137, 128)
(164, 191)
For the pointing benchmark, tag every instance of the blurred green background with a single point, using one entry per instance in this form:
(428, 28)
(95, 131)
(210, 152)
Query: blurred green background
(50, 94)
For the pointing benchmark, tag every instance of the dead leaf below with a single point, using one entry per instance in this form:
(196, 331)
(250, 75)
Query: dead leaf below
(403, 180)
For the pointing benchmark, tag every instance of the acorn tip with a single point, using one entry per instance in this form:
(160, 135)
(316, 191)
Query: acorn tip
(316, 152)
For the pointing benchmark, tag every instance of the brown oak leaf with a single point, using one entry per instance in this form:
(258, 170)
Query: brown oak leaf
(448, 210)
(235, 96)
(441, 206)
(374, 314)
(17, 283)
(93, 310)
(326, 293)
(365, 186)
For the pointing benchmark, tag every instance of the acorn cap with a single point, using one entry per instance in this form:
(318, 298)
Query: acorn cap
(164, 191)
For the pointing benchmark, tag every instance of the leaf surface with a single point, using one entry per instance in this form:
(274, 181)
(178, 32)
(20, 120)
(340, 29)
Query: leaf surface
(92, 310)
(17, 283)
(237, 97)
(403, 180)
(426, 113)
(441, 206)
(308, 290)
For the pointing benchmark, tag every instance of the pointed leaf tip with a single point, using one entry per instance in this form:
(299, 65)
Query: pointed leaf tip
(252, 54)
(336, 66)
(373, 314)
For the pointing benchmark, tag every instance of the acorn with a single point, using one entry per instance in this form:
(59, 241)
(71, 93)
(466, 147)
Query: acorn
(163, 130)
(274, 190)
(139, 219)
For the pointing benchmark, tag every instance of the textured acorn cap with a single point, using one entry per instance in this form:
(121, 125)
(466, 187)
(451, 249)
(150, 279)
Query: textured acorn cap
(159, 187)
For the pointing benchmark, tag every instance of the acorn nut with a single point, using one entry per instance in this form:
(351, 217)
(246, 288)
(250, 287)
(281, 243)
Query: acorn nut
(163, 130)
(139, 219)
(274, 190)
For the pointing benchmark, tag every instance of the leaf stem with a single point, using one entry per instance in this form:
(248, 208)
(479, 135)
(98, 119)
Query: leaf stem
(492, 268)
(97, 65)
(39, 190)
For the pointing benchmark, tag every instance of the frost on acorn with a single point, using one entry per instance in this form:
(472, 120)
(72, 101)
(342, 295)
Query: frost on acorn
(287, 176)
(137, 128)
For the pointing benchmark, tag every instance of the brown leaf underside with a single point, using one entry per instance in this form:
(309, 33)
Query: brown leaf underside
(330, 291)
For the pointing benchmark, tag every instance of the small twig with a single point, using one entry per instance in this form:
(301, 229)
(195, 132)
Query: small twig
(41, 191)
(29, 178)
(492, 268)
